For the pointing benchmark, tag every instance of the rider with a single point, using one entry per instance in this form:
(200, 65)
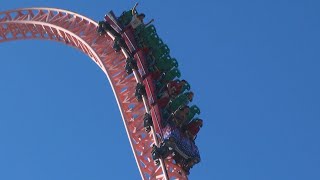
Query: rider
(174, 88)
(135, 22)
(194, 109)
(180, 115)
(193, 128)
(179, 101)
(137, 19)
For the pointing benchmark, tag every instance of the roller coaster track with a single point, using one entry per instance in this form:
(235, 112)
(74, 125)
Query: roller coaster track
(79, 31)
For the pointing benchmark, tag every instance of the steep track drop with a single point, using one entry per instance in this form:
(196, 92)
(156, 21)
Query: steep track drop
(79, 31)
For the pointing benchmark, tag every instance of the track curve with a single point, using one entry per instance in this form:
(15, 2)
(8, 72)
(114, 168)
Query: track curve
(79, 32)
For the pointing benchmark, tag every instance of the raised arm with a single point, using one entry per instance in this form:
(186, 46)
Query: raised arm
(149, 22)
(133, 10)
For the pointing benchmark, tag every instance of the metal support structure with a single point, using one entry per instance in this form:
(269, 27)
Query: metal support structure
(79, 32)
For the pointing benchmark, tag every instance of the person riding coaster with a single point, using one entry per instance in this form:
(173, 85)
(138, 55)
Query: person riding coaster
(176, 118)
(173, 89)
(179, 101)
(166, 77)
(175, 103)
(137, 19)
(193, 110)
(132, 20)
(178, 139)
(180, 115)
(180, 158)
(193, 128)
(177, 144)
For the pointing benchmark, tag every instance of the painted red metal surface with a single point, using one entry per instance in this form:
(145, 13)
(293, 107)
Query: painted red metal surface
(112, 20)
(80, 32)
(128, 36)
(141, 59)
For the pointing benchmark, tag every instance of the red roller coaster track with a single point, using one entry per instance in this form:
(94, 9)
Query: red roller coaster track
(80, 32)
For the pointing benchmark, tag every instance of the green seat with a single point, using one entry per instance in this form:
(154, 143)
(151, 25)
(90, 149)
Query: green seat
(168, 76)
(149, 30)
(152, 41)
(150, 38)
(137, 35)
(142, 35)
(138, 30)
(161, 51)
(166, 63)
(186, 87)
(125, 18)
(193, 110)
(179, 101)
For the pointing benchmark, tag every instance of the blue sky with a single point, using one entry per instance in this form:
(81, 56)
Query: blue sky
(253, 65)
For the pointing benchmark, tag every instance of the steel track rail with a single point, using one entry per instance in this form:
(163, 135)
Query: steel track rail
(79, 32)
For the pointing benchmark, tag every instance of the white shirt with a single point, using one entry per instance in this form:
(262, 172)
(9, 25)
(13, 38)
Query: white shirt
(135, 22)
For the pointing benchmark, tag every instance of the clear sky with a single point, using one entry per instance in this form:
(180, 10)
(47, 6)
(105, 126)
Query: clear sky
(253, 65)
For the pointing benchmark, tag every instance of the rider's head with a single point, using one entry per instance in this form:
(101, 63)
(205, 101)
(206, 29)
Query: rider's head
(141, 16)
(190, 96)
(200, 122)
